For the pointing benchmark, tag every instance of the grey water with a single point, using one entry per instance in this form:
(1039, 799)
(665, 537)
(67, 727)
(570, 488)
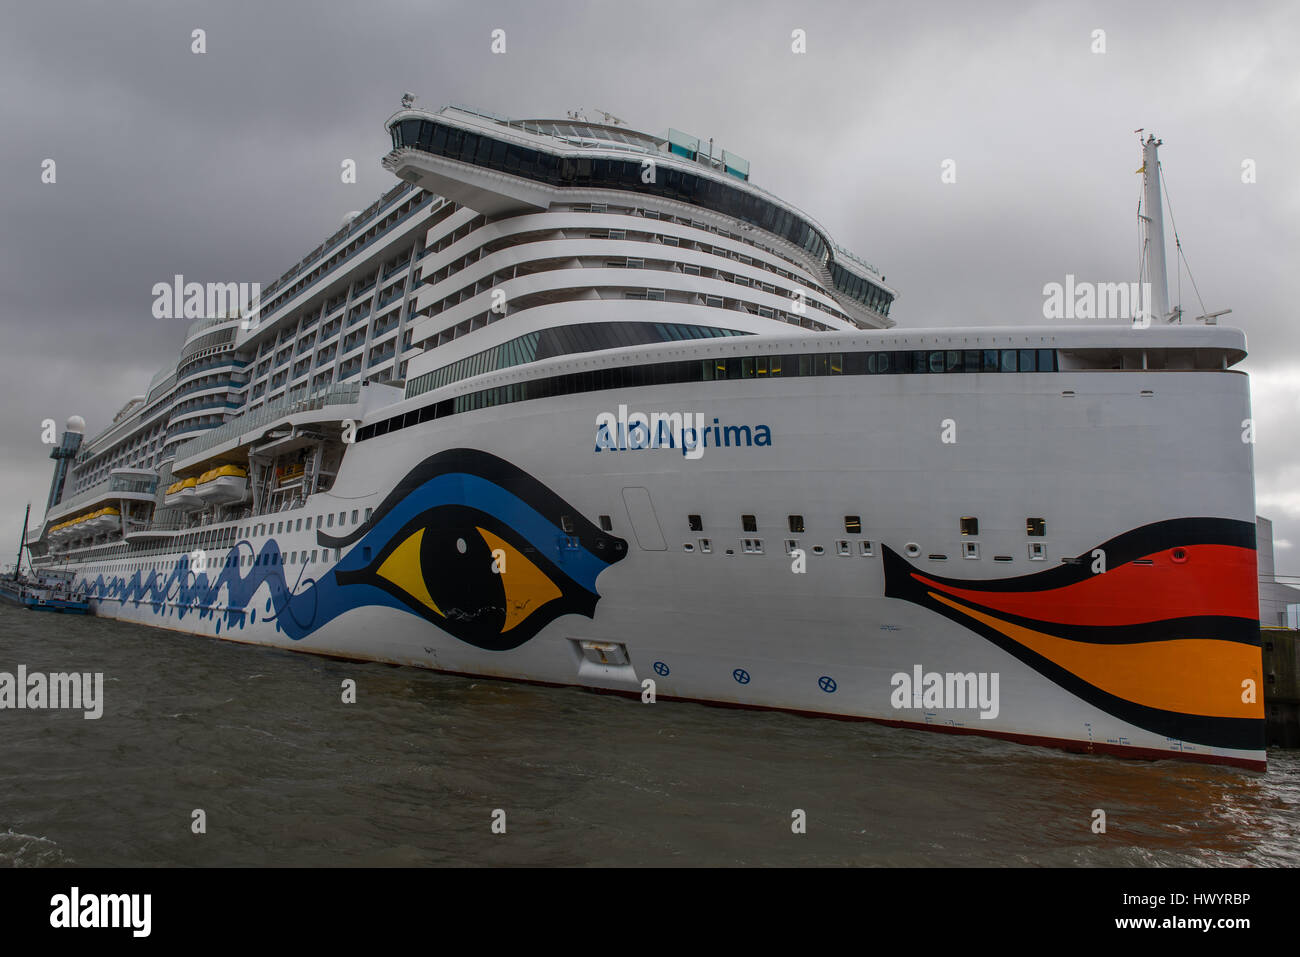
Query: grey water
(286, 773)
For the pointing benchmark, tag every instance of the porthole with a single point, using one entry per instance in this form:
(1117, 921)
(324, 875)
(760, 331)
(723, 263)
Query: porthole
(912, 549)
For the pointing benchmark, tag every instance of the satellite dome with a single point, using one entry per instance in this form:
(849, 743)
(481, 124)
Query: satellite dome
(77, 424)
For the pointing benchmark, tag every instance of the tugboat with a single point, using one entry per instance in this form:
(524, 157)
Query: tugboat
(50, 591)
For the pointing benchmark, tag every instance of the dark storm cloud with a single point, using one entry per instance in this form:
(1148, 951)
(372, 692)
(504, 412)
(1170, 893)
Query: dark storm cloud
(225, 166)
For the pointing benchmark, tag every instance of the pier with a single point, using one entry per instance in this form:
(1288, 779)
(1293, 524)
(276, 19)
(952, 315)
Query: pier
(1281, 656)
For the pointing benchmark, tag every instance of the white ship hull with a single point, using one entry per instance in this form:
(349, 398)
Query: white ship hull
(738, 627)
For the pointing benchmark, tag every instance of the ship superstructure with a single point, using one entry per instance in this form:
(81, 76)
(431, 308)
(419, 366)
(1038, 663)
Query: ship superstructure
(579, 404)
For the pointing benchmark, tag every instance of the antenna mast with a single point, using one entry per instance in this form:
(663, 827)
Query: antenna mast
(1155, 230)
(22, 542)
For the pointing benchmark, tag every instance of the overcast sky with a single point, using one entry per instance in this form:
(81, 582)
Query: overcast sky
(225, 166)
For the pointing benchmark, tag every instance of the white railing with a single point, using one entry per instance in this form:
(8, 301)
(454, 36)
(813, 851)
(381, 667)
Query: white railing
(852, 257)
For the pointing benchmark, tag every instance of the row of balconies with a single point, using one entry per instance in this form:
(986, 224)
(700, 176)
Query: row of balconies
(404, 212)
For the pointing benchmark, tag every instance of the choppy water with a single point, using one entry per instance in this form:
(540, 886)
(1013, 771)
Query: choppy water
(410, 775)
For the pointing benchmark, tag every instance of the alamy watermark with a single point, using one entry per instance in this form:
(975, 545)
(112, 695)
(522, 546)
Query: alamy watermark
(947, 691)
(82, 691)
(214, 300)
(125, 911)
(627, 431)
(1092, 300)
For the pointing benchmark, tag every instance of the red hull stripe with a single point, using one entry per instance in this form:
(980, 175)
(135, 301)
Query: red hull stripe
(1215, 580)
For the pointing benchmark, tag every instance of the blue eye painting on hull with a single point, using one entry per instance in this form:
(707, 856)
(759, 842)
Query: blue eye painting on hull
(465, 540)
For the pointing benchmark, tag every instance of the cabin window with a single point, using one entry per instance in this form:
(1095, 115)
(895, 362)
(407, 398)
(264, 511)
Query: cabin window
(566, 523)
(853, 524)
(970, 525)
(748, 523)
(796, 523)
(1036, 527)
(693, 522)
(606, 523)
(354, 516)
(330, 523)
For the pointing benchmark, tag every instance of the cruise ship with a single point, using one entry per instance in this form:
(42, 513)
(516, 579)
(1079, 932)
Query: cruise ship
(580, 405)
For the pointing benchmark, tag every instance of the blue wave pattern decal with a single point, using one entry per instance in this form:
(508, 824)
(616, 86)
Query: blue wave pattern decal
(197, 593)
(465, 540)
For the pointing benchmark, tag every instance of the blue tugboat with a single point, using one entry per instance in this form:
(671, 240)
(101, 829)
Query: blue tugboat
(51, 591)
